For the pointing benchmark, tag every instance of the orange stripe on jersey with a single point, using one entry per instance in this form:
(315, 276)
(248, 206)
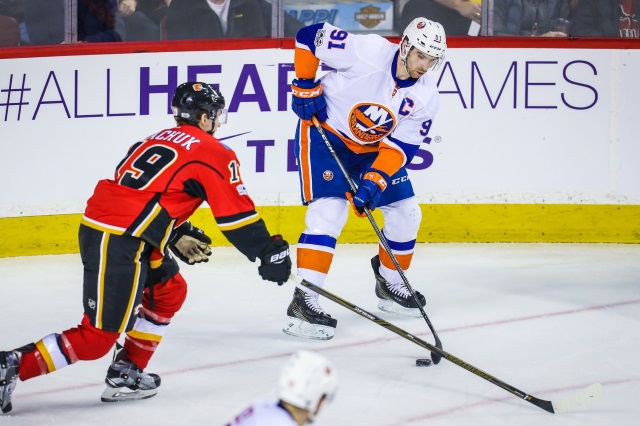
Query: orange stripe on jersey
(305, 63)
(403, 259)
(305, 167)
(353, 146)
(315, 260)
(389, 159)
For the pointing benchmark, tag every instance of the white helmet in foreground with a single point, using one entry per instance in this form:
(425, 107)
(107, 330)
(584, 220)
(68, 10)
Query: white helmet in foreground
(426, 36)
(306, 378)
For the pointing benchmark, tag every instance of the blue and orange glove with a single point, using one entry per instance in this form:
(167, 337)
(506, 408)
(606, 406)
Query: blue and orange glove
(369, 191)
(308, 99)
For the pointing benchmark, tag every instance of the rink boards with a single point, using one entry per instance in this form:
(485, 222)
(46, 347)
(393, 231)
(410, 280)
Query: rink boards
(535, 140)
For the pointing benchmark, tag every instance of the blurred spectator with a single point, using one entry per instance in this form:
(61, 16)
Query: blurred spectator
(139, 24)
(15, 9)
(530, 17)
(205, 19)
(193, 19)
(455, 16)
(154, 9)
(613, 18)
(98, 21)
(572, 6)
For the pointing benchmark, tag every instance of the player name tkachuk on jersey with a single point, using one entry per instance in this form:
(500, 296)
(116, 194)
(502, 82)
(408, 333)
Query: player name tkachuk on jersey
(181, 138)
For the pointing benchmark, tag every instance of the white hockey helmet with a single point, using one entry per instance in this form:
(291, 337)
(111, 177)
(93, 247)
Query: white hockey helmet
(426, 36)
(305, 379)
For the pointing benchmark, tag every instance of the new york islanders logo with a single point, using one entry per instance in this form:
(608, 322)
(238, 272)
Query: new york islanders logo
(370, 123)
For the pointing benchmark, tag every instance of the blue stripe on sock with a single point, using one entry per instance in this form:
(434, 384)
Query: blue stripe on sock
(318, 240)
(401, 246)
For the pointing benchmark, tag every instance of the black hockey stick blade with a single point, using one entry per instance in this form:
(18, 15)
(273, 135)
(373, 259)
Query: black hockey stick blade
(571, 403)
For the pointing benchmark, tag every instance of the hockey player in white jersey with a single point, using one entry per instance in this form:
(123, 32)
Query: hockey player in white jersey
(376, 106)
(308, 381)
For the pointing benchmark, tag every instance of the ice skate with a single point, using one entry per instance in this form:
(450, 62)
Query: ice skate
(9, 365)
(395, 298)
(308, 319)
(126, 381)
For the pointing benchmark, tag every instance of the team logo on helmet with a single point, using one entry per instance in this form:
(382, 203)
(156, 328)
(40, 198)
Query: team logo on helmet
(421, 25)
(369, 123)
(197, 87)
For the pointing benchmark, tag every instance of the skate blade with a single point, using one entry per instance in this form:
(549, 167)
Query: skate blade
(393, 308)
(298, 328)
(125, 394)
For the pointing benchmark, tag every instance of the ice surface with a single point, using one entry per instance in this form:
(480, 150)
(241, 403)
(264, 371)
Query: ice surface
(548, 319)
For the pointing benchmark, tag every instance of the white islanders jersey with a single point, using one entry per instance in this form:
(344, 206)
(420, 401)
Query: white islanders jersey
(365, 102)
(263, 413)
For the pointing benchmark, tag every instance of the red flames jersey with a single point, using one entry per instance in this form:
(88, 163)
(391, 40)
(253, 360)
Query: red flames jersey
(164, 179)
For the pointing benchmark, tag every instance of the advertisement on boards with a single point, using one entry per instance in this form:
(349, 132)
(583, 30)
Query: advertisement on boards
(515, 125)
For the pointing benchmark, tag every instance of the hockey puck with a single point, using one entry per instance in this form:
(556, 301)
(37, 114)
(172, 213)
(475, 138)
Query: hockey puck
(423, 362)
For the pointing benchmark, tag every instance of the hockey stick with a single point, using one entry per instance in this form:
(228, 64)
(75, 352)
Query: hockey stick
(583, 397)
(435, 357)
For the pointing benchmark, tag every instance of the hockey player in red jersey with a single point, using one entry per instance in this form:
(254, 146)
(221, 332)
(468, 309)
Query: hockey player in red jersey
(376, 106)
(128, 225)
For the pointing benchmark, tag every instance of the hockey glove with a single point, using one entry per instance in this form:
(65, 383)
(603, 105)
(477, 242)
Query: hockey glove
(190, 244)
(369, 191)
(308, 99)
(275, 261)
